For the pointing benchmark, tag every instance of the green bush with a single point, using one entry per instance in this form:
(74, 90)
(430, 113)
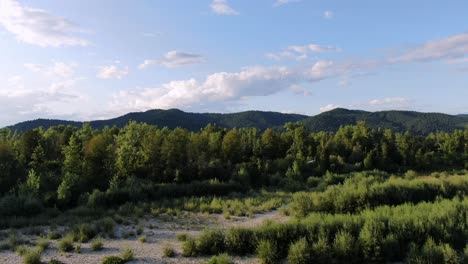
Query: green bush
(189, 248)
(343, 247)
(32, 256)
(182, 237)
(210, 242)
(240, 241)
(321, 251)
(66, 244)
(142, 239)
(267, 252)
(97, 244)
(54, 235)
(127, 254)
(43, 243)
(299, 252)
(112, 260)
(168, 252)
(221, 259)
(54, 261)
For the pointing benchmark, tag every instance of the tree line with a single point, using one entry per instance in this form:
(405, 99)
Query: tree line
(57, 166)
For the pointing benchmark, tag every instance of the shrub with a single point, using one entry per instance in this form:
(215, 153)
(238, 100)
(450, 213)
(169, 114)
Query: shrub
(321, 251)
(32, 256)
(54, 235)
(21, 250)
(65, 244)
(210, 242)
(343, 247)
(97, 244)
(189, 248)
(84, 233)
(42, 243)
(107, 226)
(127, 254)
(112, 260)
(267, 252)
(77, 248)
(54, 261)
(240, 241)
(182, 237)
(168, 251)
(221, 259)
(142, 239)
(299, 252)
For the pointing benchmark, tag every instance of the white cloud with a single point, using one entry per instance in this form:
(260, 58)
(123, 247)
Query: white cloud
(174, 59)
(375, 104)
(112, 72)
(222, 88)
(299, 90)
(222, 7)
(392, 100)
(58, 69)
(328, 14)
(329, 107)
(283, 2)
(37, 26)
(300, 52)
(21, 101)
(453, 47)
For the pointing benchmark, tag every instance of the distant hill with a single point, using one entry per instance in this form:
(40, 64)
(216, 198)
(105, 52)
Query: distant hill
(173, 118)
(416, 122)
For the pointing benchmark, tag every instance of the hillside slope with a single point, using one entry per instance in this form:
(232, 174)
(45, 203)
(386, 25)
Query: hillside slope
(416, 122)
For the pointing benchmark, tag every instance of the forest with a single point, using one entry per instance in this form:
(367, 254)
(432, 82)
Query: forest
(360, 194)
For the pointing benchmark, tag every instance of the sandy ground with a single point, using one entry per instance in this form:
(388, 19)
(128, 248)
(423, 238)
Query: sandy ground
(160, 232)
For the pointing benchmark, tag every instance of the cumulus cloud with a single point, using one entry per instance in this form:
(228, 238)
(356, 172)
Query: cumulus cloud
(174, 59)
(301, 52)
(328, 14)
(222, 7)
(112, 72)
(37, 26)
(224, 87)
(375, 104)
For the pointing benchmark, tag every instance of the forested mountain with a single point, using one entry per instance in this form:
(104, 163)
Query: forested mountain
(416, 122)
(173, 118)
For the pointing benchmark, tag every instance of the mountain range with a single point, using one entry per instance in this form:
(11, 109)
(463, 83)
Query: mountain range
(416, 122)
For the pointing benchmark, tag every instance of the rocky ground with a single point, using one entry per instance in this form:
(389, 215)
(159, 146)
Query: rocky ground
(159, 232)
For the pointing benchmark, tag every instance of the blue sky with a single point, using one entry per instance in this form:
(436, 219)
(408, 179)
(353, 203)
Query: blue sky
(91, 59)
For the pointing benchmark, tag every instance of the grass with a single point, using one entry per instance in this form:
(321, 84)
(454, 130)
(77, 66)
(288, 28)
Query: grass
(53, 235)
(221, 259)
(182, 237)
(43, 243)
(142, 239)
(127, 254)
(112, 260)
(97, 244)
(168, 251)
(31, 256)
(77, 248)
(66, 244)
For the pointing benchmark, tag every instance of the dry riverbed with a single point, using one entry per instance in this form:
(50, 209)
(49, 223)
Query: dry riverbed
(159, 232)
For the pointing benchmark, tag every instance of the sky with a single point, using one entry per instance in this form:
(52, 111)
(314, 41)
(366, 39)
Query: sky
(87, 59)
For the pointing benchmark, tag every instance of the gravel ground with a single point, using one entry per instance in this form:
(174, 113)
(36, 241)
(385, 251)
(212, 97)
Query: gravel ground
(160, 232)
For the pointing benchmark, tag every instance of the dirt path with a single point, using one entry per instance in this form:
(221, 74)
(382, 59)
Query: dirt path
(159, 233)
